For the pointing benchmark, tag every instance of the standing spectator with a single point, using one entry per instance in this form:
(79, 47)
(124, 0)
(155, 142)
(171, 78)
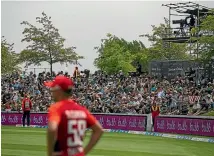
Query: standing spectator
(76, 73)
(26, 107)
(155, 109)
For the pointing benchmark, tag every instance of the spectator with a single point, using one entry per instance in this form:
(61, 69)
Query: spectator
(102, 93)
(209, 100)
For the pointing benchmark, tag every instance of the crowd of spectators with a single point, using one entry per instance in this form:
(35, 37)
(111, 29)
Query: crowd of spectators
(102, 93)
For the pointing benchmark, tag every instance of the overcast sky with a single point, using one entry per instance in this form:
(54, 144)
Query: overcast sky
(84, 24)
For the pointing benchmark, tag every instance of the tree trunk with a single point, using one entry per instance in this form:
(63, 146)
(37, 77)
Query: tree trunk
(51, 67)
(51, 62)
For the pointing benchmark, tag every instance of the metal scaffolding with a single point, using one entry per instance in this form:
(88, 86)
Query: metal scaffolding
(182, 34)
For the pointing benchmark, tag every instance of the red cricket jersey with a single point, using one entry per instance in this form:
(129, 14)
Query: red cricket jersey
(155, 111)
(26, 104)
(72, 120)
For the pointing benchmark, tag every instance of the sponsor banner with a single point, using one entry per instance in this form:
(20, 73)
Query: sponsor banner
(118, 131)
(154, 134)
(16, 118)
(122, 122)
(190, 126)
(116, 122)
(174, 136)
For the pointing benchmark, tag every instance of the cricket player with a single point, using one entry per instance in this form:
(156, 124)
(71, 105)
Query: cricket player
(68, 121)
(26, 107)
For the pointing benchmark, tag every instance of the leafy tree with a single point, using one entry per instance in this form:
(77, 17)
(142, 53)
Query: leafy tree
(9, 59)
(45, 44)
(160, 50)
(207, 39)
(114, 54)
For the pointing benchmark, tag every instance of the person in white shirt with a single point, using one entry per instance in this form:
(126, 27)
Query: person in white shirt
(209, 99)
(15, 97)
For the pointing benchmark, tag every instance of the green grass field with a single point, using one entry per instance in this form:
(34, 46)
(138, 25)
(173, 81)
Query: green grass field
(32, 142)
(211, 113)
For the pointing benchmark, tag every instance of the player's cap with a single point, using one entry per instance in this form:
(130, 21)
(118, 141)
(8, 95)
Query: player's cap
(60, 82)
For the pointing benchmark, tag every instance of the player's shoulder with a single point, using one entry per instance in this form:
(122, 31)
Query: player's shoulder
(67, 105)
(75, 110)
(55, 106)
(79, 106)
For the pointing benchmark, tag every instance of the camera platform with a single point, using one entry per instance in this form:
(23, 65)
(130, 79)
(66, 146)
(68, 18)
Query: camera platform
(179, 40)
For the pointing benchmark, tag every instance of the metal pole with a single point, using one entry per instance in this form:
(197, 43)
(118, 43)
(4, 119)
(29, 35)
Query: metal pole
(34, 70)
(178, 15)
(198, 31)
(169, 28)
(169, 18)
(197, 39)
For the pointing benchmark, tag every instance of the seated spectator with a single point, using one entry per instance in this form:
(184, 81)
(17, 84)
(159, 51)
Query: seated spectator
(209, 100)
(102, 93)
